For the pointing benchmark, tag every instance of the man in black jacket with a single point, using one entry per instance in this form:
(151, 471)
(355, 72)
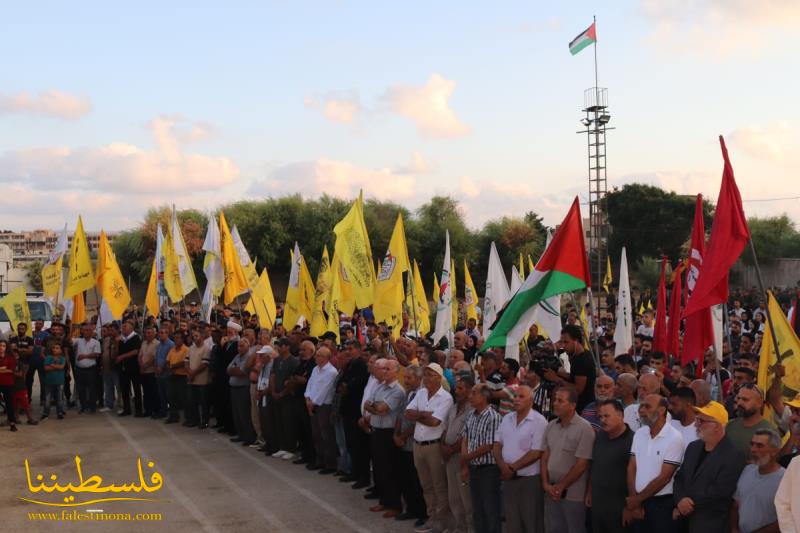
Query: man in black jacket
(705, 483)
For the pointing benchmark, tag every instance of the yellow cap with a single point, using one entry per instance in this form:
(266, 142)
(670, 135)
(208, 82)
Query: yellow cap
(794, 403)
(714, 410)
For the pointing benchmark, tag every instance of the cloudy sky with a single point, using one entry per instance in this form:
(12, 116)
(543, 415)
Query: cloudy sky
(108, 110)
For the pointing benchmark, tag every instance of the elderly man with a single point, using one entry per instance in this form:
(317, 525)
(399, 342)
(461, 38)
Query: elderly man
(384, 407)
(222, 395)
(749, 404)
(478, 463)
(702, 392)
(656, 453)
(458, 491)
(410, 488)
(706, 481)
(625, 389)
(603, 390)
(319, 395)
(608, 475)
(239, 382)
(428, 410)
(568, 443)
(517, 449)
(753, 502)
(648, 384)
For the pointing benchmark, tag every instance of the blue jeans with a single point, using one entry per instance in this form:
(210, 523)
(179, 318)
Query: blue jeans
(53, 395)
(110, 386)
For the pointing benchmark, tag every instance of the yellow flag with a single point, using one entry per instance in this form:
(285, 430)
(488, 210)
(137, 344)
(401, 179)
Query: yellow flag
(15, 304)
(300, 293)
(419, 313)
(110, 282)
(235, 280)
(641, 308)
(530, 265)
(81, 277)
(78, 309)
(51, 279)
(454, 292)
(319, 320)
(389, 287)
(342, 298)
(649, 304)
(789, 349)
(355, 253)
(470, 296)
(608, 278)
(521, 268)
(172, 268)
(436, 288)
(262, 301)
(151, 302)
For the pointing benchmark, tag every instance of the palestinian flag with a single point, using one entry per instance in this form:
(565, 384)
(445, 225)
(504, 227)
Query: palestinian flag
(564, 267)
(583, 40)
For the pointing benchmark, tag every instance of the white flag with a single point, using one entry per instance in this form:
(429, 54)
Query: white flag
(623, 332)
(188, 281)
(497, 292)
(241, 251)
(444, 305)
(547, 314)
(516, 282)
(212, 263)
(62, 245)
(161, 262)
(716, 320)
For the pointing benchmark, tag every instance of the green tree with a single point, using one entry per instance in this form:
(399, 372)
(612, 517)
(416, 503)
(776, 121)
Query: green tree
(773, 237)
(650, 221)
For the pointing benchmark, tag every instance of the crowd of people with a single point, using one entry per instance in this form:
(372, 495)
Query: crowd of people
(452, 438)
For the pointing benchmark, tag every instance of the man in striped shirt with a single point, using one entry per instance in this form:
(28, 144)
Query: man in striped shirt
(477, 460)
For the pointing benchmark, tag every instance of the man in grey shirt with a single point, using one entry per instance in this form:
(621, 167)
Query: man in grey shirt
(239, 381)
(384, 407)
(753, 507)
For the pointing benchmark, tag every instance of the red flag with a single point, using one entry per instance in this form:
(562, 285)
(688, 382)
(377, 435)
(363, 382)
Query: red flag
(660, 340)
(698, 332)
(729, 235)
(674, 324)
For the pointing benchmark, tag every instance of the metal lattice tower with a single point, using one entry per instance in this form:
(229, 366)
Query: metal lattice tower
(595, 107)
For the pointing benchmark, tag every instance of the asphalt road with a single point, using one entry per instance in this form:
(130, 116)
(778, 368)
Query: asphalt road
(210, 484)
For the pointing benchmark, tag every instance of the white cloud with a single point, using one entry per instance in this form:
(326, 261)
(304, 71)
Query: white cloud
(51, 103)
(338, 107)
(417, 165)
(121, 166)
(719, 28)
(428, 107)
(336, 178)
(772, 142)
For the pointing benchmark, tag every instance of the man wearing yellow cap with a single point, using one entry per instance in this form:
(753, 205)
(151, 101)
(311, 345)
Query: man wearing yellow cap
(705, 482)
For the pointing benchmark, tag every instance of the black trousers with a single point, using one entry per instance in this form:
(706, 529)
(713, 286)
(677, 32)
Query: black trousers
(384, 460)
(176, 392)
(7, 392)
(86, 384)
(324, 437)
(606, 517)
(240, 403)
(287, 424)
(484, 486)
(269, 430)
(127, 380)
(33, 370)
(197, 404)
(222, 404)
(150, 391)
(409, 485)
(359, 448)
(304, 435)
(657, 516)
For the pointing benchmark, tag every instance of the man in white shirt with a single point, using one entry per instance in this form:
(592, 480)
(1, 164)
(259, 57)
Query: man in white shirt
(319, 395)
(428, 410)
(656, 454)
(681, 407)
(87, 350)
(787, 499)
(648, 384)
(517, 449)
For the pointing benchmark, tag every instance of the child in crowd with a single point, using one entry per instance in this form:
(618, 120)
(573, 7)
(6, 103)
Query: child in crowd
(20, 398)
(54, 380)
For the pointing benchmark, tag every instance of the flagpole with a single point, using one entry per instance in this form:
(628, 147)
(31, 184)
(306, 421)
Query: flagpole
(769, 315)
(411, 287)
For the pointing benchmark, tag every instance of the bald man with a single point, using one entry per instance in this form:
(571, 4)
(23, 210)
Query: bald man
(648, 384)
(603, 390)
(319, 396)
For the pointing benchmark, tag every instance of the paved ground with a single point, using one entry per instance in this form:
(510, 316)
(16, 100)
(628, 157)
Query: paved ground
(210, 484)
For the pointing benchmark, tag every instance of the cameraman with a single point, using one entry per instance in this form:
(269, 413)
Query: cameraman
(582, 371)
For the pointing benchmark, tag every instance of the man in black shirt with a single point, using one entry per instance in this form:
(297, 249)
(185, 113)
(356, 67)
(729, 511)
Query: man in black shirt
(350, 386)
(610, 455)
(128, 362)
(582, 371)
(298, 382)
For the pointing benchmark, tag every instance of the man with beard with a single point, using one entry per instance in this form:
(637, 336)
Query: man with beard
(603, 390)
(656, 453)
(753, 505)
(221, 387)
(610, 456)
(681, 407)
(749, 404)
(741, 376)
(706, 480)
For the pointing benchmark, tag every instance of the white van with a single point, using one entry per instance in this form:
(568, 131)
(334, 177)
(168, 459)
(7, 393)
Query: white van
(40, 310)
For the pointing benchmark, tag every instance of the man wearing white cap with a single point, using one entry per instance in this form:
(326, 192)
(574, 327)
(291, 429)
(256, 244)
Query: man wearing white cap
(428, 410)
